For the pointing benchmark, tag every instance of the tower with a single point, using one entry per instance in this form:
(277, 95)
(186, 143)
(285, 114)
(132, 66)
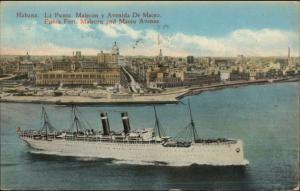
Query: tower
(289, 57)
(115, 49)
(160, 53)
(27, 56)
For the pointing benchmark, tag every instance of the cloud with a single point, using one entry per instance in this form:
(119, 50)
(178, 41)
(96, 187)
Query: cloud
(108, 30)
(263, 42)
(45, 49)
(249, 42)
(117, 30)
(29, 26)
(83, 27)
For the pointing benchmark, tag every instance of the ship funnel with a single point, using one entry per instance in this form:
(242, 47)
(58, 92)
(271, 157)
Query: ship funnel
(105, 123)
(125, 121)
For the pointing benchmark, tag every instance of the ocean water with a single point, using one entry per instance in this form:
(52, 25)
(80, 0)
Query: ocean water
(265, 117)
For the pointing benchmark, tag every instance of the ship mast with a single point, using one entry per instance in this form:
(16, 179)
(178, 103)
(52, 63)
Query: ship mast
(195, 134)
(157, 125)
(76, 121)
(46, 125)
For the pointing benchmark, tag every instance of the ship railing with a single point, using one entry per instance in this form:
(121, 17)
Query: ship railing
(87, 138)
(107, 140)
(216, 141)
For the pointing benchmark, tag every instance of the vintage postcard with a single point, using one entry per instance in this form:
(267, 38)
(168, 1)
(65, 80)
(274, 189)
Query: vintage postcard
(149, 95)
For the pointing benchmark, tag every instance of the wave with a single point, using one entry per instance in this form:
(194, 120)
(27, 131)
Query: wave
(62, 156)
(113, 161)
(125, 161)
(47, 152)
(8, 164)
(136, 162)
(170, 164)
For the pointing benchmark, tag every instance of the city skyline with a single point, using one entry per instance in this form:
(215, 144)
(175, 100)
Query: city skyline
(193, 28)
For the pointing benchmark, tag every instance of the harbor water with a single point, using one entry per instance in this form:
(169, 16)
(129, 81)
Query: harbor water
(265, 117)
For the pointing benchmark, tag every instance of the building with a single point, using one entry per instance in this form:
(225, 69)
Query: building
(190, 59)
(104, 77)
(236, 75)
(89, 65)
(168, 82)
(107, 59)
(195, 78)
(159, 58)
(122, 61)
(224, 75)
(115, 49)
(77, 54)
(163, 77)
(9, 67)
(26, 67)
(63, 65)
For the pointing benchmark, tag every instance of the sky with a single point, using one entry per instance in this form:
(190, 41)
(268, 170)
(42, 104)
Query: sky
(184, 28)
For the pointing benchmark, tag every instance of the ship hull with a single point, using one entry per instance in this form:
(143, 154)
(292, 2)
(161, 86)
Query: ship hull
(217, 154)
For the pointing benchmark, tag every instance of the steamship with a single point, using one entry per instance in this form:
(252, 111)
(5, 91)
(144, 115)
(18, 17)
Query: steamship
(141, 145)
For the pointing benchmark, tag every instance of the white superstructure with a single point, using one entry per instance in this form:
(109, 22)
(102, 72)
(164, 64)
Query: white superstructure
(144, 145)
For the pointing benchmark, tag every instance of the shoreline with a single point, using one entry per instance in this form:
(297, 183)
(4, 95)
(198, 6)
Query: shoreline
(171, 97)
(236, 84)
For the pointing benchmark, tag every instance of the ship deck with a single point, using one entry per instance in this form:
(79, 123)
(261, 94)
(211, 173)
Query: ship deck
(123, 139)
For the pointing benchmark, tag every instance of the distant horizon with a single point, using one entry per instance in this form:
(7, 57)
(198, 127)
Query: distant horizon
(95, 55)
(253, 29)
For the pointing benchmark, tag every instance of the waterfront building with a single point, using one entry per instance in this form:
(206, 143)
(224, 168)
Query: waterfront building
(237, 75)
(196, 78)
(168, 82)
(164, 77)
(103, 76)
(252, 74)
(260, 75)
(224, 75)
